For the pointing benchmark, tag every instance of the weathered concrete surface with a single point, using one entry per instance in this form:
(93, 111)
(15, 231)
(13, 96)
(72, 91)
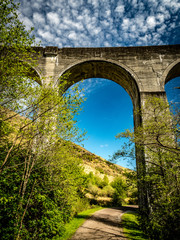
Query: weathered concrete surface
(104, 224)
(141, 71)
(149, 65)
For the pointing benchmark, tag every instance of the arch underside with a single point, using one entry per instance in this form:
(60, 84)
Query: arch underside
(173, 73)
(106, 70)
(32, 74)
(24, 69)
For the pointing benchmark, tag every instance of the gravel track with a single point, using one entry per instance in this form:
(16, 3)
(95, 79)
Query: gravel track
(104, 224)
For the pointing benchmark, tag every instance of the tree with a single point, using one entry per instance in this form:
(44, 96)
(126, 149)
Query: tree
(15, 42)
(30, 143)
(159, 139)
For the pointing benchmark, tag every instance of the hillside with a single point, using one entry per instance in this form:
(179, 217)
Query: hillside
(91, 162)
(96, 164)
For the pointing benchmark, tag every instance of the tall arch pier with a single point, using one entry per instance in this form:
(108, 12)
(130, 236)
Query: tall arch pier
(141, 71)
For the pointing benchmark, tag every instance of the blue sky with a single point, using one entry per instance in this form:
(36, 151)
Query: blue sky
(107, 111)
(104, 23)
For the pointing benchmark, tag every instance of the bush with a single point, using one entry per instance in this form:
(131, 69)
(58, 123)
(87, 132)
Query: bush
(119, 191)
(80, 205)
(100, 170)
(53, 195)
(93, 189)
(108, 191)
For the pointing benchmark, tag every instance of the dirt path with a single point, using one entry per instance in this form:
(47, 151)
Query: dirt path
(104, 224)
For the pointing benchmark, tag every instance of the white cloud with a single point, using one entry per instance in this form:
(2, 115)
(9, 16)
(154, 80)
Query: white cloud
(96, 31)
(38, 18)
(134, 3)
(107, 44)
(160, 18)
(72, 35)
(27, 22)
(161, 29)
(141, 7)
(95, 3)
(153, 3)
(49, 37)
(37, 5)
(120, 9)
(125, 24)
(104, 145)
(90, 85)
(107, 13)
(174, 5)
(71, 24)
(151, 21)
(75, 3)
(105, 23)
(57, 41)
(53, 18)
(26, 8)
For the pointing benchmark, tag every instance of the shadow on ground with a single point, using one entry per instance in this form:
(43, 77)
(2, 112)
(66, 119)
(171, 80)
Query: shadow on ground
(109, 227)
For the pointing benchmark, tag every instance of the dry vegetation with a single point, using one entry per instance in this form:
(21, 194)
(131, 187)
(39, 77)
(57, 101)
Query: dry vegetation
(98, 165)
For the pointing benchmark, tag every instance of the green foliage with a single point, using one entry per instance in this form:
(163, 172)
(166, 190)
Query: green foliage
(98, 181)
(80, 204)
(159, 139)
(131, 226)
(116, 190)
(76, 222)
(42, 184)
(100, 169)
(54, 194)
(131, 186)
(105, 181)
(93, 189)
(15, 40)
(120, 191)
(107, 191)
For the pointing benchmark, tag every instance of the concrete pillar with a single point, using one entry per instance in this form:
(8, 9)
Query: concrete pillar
(141, 158)
(51, 59)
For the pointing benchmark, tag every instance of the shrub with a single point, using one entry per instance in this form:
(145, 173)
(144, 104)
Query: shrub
(108, 191)
(100, 170)
(80, 205)
(93, 189)
(119, 191)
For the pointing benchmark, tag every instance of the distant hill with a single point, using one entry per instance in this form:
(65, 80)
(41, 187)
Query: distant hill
(97, 164)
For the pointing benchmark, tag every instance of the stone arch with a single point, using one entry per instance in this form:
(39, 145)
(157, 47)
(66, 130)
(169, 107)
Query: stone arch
(33, 72)
(172, 71)
(118, 73)
(98, 68)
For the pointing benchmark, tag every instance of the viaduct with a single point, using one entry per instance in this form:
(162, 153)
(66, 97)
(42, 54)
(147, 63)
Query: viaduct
(141, 71)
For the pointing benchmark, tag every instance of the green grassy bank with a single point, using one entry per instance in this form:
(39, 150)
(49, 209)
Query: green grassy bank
(131, 227)
(76, 222)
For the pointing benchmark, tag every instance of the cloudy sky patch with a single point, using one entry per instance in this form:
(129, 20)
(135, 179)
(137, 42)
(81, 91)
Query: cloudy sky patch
(97, 23)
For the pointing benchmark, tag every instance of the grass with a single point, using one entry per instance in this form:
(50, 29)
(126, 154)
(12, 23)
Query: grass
(76, 222)
(131, 227)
